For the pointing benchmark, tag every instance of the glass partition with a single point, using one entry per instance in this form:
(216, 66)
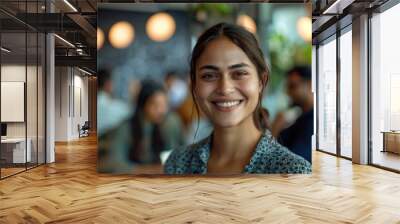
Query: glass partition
(14, 151)
(22, 77)
(385, 89)
(346, 94)
(327, 96)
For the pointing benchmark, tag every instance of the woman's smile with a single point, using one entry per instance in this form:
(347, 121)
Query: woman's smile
(227, 105)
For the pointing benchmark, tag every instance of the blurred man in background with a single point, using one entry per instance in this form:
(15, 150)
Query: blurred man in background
(111, 112)
(111, 115)
(297, 137)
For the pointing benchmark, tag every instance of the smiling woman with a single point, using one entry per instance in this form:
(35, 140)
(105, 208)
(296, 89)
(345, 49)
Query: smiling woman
(228, 77)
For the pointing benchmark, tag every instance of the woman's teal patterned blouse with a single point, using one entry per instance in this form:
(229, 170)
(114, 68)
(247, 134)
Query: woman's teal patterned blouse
(269, 157)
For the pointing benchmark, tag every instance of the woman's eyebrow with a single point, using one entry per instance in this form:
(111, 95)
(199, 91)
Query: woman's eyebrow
(240, 65)
(234, 66)
(212, 67)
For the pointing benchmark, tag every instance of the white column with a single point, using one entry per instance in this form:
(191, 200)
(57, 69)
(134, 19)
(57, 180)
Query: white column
(360, 90)
(50, 93)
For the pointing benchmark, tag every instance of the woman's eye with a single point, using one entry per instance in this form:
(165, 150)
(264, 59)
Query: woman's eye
(240, 74)
(208, 76)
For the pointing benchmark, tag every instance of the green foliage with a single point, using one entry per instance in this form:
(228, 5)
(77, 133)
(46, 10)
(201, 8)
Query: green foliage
(284, 54)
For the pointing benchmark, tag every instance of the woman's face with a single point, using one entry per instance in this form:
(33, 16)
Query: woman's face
(156, 107)
(227, 85)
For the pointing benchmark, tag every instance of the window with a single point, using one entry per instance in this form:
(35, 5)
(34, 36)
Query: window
(346, 94)
(385, 89)
(327, 96)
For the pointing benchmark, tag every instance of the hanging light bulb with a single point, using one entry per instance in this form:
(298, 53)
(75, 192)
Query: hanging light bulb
(247, 22)
(121, 34)
(304, 28)
(100, 38)
(160, 27)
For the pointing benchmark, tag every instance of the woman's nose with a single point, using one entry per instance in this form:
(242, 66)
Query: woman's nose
(225, 86)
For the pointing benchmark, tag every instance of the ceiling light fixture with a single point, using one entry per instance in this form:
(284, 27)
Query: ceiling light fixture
(5, 50)
(337, 7)
(65, 41)
(79, 51)
(70, 5)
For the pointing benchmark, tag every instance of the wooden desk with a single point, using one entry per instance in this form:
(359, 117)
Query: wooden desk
(391, 141)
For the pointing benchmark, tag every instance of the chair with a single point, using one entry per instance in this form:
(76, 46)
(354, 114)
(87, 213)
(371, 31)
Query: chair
(84, 130)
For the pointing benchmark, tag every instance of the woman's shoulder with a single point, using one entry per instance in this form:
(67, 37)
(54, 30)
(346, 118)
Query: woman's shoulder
(279, 159)
(180, 158)
(183, 151)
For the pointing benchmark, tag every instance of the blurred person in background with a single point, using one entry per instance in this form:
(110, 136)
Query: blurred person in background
(177, 89)
(111, 114)
(228, 76)
(297, 137)
(146, 138)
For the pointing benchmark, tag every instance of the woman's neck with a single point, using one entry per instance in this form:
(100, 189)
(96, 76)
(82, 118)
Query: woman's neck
(235, 143)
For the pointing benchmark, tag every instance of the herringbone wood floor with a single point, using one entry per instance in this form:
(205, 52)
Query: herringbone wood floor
(70, 191)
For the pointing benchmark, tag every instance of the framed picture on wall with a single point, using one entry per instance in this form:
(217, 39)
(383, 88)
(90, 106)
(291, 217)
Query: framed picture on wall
(12, 101)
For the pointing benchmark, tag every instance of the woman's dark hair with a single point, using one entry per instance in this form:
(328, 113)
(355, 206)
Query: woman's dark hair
(264, 118)
(149, 88)
(245, 41)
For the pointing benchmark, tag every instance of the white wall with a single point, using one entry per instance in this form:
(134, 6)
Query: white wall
(71, 93)
(61, 103)
(14, 73)
(80, 100)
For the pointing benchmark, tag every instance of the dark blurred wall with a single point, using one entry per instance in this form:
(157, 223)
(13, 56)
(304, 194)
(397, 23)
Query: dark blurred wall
(144, 57)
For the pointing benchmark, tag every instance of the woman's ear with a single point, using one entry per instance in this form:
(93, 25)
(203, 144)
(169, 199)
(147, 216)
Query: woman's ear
(263, 81)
